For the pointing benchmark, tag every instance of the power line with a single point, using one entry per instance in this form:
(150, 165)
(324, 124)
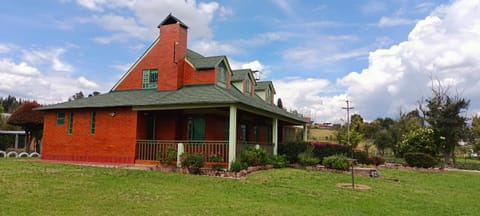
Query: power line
(348, 108)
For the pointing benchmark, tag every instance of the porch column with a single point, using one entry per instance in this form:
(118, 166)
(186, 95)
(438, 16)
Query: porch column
(16, 142)
(232, 135)
(305, 133)
(275, 135)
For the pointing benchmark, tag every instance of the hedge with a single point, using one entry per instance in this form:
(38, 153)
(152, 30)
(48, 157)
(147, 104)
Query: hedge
(418, 159)
(321, 150)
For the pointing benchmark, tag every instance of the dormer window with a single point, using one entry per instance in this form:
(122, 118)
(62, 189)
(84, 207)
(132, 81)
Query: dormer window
(222, 75)
(248, 85)
(150, 79)
(268, 95)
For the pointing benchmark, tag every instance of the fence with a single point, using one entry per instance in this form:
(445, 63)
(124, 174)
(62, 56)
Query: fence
(158, 149)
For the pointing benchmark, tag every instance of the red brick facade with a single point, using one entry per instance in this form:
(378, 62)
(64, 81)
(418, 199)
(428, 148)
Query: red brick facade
(113, 140)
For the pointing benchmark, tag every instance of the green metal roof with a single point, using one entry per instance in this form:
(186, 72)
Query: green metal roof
(239, 75)
(262, 85)
(205, 62)
(188, 95)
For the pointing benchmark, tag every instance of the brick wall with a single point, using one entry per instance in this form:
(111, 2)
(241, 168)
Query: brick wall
(113, 140)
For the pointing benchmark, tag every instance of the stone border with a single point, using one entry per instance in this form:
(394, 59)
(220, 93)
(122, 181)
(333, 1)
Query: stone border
(213, 172)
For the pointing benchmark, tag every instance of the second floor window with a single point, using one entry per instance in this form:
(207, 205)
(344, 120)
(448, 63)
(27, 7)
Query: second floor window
(150, 78)
(222, 74)
(248, 85)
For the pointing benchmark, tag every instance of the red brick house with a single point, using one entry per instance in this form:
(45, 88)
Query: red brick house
(170, 95)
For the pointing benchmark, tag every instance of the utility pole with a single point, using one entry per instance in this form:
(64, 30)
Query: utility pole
(348, 108)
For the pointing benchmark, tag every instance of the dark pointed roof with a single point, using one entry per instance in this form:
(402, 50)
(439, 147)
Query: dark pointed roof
(170, 19)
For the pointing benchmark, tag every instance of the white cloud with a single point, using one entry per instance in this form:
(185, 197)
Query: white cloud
(37, 77)
(393, 21)
(4, 48)
(212, 48)
(144, 17)
(443, 46)
(87, 83)
(49, 57)
(305, 96)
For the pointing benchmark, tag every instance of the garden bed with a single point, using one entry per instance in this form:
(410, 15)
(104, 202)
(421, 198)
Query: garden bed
(213, 172)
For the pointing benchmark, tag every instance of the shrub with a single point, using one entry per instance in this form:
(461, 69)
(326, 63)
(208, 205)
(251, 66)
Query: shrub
(323, 150)
(420, 140)
(254, 157)
(418, 159)
(171, 156)
(217, 159)
(237, 165)
(278, 161)
(377, 160)
(292, 149)
(361, 157)
(307, 158)
(192, 162)
(338, 162)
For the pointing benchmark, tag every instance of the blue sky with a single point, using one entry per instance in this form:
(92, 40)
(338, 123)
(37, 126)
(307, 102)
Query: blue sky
(381, 55)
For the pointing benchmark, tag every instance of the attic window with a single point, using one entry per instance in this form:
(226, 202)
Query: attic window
(248, 85)
(222, 75)
(150, 78)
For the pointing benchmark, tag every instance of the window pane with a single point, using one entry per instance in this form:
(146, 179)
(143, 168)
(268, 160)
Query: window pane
(60, 118)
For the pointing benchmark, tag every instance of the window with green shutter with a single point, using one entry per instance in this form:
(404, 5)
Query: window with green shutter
(150, 78)
(70, 123)
(60, 118)
(93, 116)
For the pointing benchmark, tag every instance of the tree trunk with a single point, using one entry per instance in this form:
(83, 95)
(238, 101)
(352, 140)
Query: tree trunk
(447, 156)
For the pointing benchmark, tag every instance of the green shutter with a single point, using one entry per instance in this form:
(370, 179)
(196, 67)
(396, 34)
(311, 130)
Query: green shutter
(198, 128)
(70, 124)
(92, 122)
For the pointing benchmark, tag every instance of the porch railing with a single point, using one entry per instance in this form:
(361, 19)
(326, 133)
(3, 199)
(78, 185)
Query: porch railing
(157, 149)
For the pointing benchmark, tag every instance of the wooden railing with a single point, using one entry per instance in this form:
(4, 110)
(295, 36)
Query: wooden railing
(157, 149)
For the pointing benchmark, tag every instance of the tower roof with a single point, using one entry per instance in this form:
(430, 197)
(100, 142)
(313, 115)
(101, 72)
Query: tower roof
(170, 19)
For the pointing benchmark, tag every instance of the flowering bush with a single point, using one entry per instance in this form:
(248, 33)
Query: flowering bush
(192, 162)
(217, 158)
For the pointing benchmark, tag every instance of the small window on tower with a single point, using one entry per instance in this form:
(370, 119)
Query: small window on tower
(150, 78)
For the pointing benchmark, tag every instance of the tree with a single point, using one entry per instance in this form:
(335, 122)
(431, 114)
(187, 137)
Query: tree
(356, 123)
(354, 137)
(95, 93)
(279, 103)
(30, 120)
(443, 114)
(76, 96)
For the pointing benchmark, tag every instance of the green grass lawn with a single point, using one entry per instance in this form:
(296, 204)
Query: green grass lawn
(29, 187)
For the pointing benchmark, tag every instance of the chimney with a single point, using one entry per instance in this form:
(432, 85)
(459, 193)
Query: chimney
(173, 49)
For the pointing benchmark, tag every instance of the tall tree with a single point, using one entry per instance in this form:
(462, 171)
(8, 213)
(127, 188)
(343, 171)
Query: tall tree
(76, 96)
(279, 103)
(356, 123)
(30, 120)
(443, 114)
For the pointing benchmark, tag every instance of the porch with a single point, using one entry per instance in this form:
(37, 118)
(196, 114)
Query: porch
(223, 130)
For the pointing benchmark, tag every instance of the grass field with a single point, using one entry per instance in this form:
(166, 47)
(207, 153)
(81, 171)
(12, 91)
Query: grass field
(322, 134)
(35, 188)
